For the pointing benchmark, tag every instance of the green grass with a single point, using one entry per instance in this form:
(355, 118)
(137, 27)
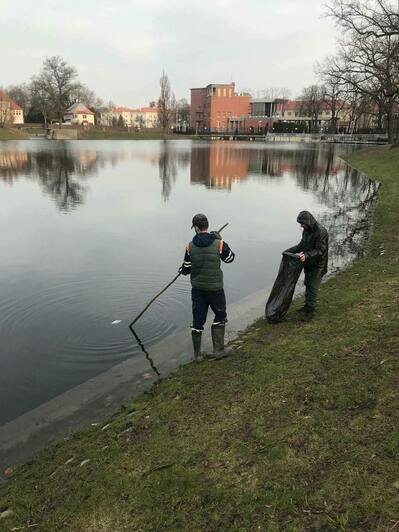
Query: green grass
(95, 134)
(12, 134)
(297, 430)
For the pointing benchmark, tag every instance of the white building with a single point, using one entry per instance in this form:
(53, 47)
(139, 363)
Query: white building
(145, 117)
(79, 114)
(10, 112)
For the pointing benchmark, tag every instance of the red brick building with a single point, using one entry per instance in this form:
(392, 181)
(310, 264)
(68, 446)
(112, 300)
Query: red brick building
(218, 107)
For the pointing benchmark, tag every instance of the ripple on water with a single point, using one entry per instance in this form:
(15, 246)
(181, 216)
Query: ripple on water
(72, 319)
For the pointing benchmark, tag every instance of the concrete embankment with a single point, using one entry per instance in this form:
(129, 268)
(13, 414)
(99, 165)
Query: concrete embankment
(62, 134)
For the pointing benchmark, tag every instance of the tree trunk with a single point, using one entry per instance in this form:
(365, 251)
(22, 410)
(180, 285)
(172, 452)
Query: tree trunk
(390, 121)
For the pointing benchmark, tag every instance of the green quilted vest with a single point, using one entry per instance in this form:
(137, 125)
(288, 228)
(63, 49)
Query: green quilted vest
(205, 266)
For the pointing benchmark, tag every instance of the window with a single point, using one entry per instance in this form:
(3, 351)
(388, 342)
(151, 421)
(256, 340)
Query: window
(84, 116)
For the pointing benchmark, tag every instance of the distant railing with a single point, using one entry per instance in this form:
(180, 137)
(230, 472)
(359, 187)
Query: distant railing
(343, 138)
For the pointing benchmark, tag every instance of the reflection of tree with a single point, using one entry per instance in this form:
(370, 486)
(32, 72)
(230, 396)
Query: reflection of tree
(349, 224)
(57, 171)
(168, 163)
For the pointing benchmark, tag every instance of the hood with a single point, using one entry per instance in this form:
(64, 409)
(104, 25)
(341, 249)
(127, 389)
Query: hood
(306, 218)
(203, 240)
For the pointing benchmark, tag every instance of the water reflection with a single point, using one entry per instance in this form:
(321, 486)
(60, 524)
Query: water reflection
(219, 165)
(62, 174)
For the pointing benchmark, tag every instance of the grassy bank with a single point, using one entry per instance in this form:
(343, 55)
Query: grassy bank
(298, 429)
(12, 134)
(94, 134)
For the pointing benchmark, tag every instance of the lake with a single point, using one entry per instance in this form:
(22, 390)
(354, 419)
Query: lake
(91, 230)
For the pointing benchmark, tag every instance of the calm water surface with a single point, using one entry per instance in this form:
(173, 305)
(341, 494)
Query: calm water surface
(92, 229)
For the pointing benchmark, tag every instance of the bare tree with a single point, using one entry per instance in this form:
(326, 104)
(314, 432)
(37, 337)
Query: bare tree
(183, 113)
(57, 80)
(275, 93)
(377, 18)
(41, 100)
(21, 95)
(313, 101)
(83, 94)
(368, 57)
(166, 104)
(334, 92)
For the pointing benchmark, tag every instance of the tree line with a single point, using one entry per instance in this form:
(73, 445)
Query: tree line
(49, 94)
(362, 77)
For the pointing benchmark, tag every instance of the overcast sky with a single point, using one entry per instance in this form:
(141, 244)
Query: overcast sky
(121, 46)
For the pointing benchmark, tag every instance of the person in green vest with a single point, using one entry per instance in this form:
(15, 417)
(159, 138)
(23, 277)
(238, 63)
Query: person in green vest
(202, 261)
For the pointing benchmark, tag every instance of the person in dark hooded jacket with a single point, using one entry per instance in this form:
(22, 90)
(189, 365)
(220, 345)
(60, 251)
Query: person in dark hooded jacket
(313, 252)
(202, 261)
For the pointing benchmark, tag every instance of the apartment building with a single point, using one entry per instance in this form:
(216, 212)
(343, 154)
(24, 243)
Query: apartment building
(145, 117)
(218, 107)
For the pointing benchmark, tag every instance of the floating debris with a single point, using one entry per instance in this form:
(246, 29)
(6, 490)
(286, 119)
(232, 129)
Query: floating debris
(116, 322)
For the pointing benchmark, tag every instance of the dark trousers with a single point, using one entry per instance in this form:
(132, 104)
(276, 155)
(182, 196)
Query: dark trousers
(312, 283)
(202, 300)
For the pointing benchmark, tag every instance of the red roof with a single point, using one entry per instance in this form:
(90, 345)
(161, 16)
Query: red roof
(149, 110)
(122, 110)
(5, 98)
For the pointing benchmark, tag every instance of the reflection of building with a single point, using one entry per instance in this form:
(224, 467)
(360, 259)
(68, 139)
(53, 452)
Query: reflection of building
(10, 112)
(219, 165)
(12, 163)
(217, 107)
(79, 114)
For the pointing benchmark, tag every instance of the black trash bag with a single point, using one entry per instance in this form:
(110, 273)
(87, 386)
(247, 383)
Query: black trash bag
(283, 289)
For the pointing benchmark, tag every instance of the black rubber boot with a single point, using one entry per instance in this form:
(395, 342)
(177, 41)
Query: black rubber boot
(196, 337)
(308, 314)
(218, 339)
